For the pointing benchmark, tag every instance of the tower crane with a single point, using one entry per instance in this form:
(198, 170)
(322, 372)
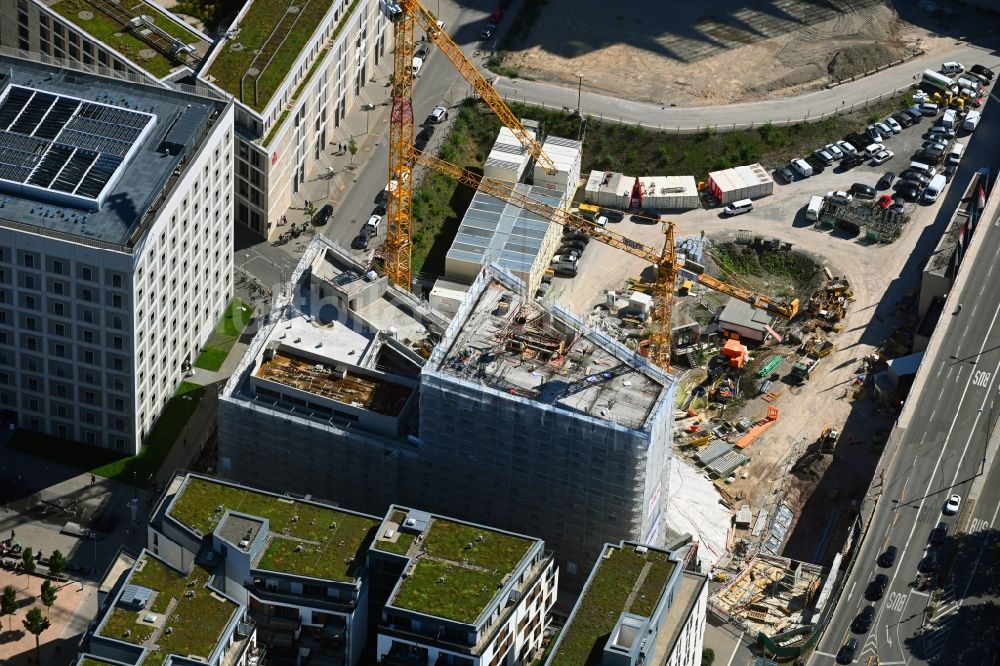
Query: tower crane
(403, 156)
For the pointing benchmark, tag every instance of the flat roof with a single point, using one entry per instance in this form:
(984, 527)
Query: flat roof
(150, 46)
(494, 231)
(623, 581)
(740, 177)
(87, 145)
(743, 314)
(515, 345)
(253, 63)
(458, 568)
(344, 386)
(334, 541)
(195, 614)
(508, 152)
(564, 153)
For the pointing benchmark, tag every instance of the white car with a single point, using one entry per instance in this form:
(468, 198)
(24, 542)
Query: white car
(893, 125)
(882, 157)
(836, 152)
(951, 506)
(873, 149)
(884, 130)
(601, 221)
(565, 258)
(839, 197)
(438, 114)
(418, 62)
(847, 148)
(373, 223)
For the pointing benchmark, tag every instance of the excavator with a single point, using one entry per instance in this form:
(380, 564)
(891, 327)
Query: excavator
(403, 156)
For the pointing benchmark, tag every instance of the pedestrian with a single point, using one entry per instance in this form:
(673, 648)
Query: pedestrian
(93, 479)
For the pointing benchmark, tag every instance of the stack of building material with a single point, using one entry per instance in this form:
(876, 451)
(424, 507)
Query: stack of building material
(736, 353)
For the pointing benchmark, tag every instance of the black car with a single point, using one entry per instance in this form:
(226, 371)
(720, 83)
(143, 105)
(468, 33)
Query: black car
(929, 564)
(575, 236)
(863, 622)
(903, 119)
(846, 653)
(915, 114)
(571, 244)
(612, 215)
(913, 177)
(863, 191)
(939, 533)
(323, 216)
(898, 207)
(982, 71)
(816, 164)
(888, 558)
(908, 191)
(949, 171)
(360, 241)
(885, 182)
(786, 174)
(851, 161)
(487, 31)
(858, 140)
(876, 588)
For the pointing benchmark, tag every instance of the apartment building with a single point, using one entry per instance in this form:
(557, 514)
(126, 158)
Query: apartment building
(115, 247)
(325, 399)
(298, 567)
(460, 594)
(294, 76)
(529, 420)
(638, 607)
(159, 613)
(106, 37)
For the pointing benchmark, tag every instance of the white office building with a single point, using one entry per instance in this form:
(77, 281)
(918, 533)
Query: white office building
(115, 248)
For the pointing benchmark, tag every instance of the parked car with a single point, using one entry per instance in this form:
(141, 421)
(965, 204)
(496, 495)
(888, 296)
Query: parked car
(873, 134)
(439, 114)
(834, 151)
(570, 258)
(322, 216)
(915, 177)
(360, 241)
(823, 156)
(601, 221)
(949, 171)
(898, 207)
(845, 655)
(907, 191)
(903, 119)
(885, 182)
(858, 139)
(422, 51)
(487, 31)
(941, 131)
(952, 67)
(884, 130)
(929, 564)
(891, 123)
(882, 157)
(915, 114)
(575, 236)
(884, 201)
(786, 173)
(847, 148)
(570, 244)
(876, 588)
(818, 166)
(873, 149)
(951, 506)
(613, 215)
(373, 223)
(417, 63)
(863, 622)
(851, 161)
(938, 534)
(982, 71)
(863, 191)
(842, 198)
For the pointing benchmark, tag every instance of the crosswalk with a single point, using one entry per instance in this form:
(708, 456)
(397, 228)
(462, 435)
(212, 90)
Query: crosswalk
(937, 628)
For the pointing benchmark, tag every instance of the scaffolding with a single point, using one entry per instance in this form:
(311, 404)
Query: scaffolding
(879, 225)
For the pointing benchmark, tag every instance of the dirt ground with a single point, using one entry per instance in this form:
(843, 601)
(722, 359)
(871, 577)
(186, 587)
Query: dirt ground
(820, 489)
(16, 644)
(727, 51)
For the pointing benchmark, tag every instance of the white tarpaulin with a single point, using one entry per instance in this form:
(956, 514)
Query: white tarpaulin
(693, 507)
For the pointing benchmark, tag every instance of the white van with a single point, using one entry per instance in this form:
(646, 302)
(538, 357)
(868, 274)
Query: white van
(955, 154)
(929, 109)
(814, 208)
(934, 188)
(920, 167)
(948, 119)
(952, 67)
(803, 167)
(971, 121)
(738, 207)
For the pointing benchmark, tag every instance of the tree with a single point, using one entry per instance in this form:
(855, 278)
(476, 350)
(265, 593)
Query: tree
(707, 657)
(352, 148)
(48, 595)
(36, 623)
(57, 563)
(8, 602)
(28, 561)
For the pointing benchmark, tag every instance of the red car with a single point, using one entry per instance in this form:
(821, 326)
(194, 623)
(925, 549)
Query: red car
(884, 201)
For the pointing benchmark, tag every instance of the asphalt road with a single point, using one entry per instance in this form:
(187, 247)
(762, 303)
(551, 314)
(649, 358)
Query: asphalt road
(691, 118)
(941, 453)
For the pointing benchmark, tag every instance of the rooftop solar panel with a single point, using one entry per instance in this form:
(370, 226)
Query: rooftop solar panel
(66, 144)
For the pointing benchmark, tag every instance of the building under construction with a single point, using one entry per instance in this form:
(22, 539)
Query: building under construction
(531, 420)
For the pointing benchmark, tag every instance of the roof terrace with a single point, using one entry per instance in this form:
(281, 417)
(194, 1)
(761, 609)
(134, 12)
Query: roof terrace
(254, 63)
(305, 539)
(456, 569)
(108, 21)
(182, 617)
(624, 581)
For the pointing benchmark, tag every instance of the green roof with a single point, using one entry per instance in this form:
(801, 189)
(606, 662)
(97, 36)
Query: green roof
(459, 571)
(607, 597)
(107, 29)
(270, 40)
(196, 621)
(403, 539)
(333, 542)
(96, 661)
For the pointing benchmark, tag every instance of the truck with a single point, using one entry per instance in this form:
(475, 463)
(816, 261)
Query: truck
(803, 369)
(937, 81)
(971, 121)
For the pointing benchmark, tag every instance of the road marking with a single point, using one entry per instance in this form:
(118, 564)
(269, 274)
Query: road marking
(922, 594)
(978, 525)
(887, 638)
(827, 654)
(852, 589)
(895, 602)
(981, 378)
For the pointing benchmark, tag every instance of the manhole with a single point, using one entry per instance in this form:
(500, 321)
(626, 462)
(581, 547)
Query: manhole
(147, 53)
(235, 46)
(85, 15)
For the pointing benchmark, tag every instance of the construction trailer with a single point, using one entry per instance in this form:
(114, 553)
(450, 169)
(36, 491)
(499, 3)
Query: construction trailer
(508, 158)
(667, 193)
(742, 182)
(608, 188)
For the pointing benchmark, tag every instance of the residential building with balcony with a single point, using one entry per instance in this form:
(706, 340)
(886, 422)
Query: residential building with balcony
(299, 566)
(159, 614)
(294, 76)
(638, 607)
(115, 248)
(458, 593)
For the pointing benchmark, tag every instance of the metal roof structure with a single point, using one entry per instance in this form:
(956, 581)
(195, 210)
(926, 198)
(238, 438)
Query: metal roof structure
(494, 231)
(726, 463)
(136, 596)
(64, 149)
(715, 449)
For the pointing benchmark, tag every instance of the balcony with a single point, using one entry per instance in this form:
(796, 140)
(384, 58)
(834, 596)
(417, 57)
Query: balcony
(303, 600)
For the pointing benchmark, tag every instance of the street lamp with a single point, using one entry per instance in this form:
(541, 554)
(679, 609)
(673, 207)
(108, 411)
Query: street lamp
(367, 108)
(579, 92)
(246, 258)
